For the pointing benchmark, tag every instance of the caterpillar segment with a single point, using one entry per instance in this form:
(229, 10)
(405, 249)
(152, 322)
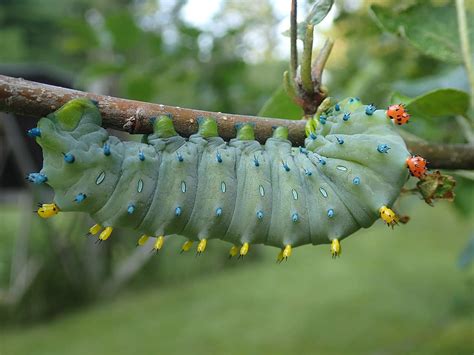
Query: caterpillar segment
(242, 192)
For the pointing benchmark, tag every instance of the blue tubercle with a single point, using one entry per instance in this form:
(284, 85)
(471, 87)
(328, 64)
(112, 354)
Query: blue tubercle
(330, 213)
(219, 212)
(141, 155)
(131, 208)
(383, 148)
(356, 180)
(340, 140)
(179, 157)
(37, 178)
(337, 107)
(80, 197)
(295, 217)
(346, 116)
(313, 136)
(322, 161)
(106, 149)
(308, 172)
(219, 157)
(34, 132)
(69, 158)
(178, 211)
(259, 214)
(285, 166)
(322, 119)
(303, 151)
(370, 109)
(255, 161)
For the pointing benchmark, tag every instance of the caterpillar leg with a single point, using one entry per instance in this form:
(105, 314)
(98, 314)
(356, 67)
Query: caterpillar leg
(142, 240)
(47, 210)
(105, 234)
(94, 230)
(388, 216)
(201, 246)
(233, 251)
(186, 246)
(159, 243)
(335, 248)
(244, 250)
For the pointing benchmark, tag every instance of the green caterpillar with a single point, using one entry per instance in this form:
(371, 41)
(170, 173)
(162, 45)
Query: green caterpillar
(352, 167)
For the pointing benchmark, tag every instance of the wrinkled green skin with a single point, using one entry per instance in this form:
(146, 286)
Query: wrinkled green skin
(279, 194)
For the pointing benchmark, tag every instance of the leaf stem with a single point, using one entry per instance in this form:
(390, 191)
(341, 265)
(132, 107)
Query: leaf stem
(293, 38)
(464, 37)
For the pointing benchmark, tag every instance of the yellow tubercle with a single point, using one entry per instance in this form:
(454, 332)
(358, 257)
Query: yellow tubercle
(159, 243)
(388, 216)
(95, 229)
(142, 240)
(244, 249)
(202, 246)
(280, 256)
(47, 210)
(335, 248)
(106, 233)
(287, 252)
(233, 251)
(187, 245)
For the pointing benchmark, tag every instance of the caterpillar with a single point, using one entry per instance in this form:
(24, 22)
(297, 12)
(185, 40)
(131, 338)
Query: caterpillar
(349, 172)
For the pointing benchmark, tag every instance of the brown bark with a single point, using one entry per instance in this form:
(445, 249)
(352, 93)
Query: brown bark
(34, 99)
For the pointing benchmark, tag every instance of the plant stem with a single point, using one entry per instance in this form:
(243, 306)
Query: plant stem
(464, 37)
(293, 38)
(306, 80)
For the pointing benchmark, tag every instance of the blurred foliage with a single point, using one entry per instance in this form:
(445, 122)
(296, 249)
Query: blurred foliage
(145, 50)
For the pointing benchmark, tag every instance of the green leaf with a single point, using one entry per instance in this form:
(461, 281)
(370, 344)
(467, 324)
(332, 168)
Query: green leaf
(442, 102)
(279, 105)
(432, 29)
(318, 12)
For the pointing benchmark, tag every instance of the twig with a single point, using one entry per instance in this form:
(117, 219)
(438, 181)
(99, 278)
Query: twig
(293, 38)
(34, 99)
(464, 37)
(320, 62)
(306, 80)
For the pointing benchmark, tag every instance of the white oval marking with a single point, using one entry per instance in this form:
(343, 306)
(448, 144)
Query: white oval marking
(262, 190)
(341, 167)
(183, 187)
(295, 194)
(100, 178)
(223, 187)
(323, 192)
(140, 185)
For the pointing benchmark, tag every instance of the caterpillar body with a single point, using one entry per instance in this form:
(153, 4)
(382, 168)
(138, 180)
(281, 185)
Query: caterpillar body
(352, 167)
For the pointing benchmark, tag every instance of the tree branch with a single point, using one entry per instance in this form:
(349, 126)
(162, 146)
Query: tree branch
(29, 98)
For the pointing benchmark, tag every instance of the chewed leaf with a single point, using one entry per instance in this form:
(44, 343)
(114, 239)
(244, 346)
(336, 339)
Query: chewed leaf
(437, 186)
